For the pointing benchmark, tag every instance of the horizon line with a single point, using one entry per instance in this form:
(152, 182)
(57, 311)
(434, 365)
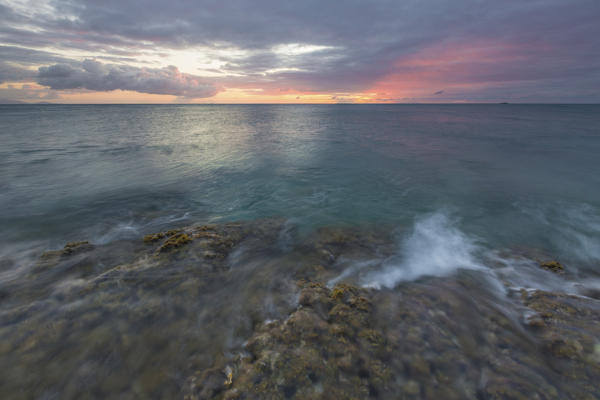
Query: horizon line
(280, 104)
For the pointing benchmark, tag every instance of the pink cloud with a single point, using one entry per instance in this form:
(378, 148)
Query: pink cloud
(464, 66)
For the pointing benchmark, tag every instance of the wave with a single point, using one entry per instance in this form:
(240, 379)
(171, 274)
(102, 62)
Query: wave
(17, 258)
(573, 229)
(435, 247)
(581, 233)
(134, 229)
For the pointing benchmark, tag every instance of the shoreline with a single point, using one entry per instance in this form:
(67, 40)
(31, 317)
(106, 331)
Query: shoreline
(235, 310)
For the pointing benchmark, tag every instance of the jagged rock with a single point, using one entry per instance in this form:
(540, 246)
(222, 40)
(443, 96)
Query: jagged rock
(552, 265)
(310, 353)
(226, 308)
(175, 241)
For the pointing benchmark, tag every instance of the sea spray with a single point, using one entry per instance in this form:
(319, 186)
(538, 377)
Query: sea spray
(434, 247)
(573, 229)
(580, 237)
(354, 268)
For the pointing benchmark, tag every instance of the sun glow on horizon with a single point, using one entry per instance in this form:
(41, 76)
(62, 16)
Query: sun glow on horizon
(230, 52)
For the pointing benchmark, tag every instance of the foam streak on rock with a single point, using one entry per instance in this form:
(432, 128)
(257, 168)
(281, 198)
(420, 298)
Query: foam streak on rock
(434, 247)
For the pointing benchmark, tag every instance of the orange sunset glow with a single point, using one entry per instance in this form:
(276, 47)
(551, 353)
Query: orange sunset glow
(84, 52)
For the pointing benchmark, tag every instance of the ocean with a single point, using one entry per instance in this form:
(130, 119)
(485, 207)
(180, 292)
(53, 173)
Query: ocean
(438, 193)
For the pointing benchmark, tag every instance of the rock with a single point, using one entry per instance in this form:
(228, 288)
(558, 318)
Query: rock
(412, 388)
(228, 376)
(70, 249)
(72, 258)
(153, 237)
(74, 247)
(552, 265)
(246, 322)
(419, 367)
(535, 321)
(568, 339)
(210, 383)
(312, 352)
(564, 348)
(175, 241)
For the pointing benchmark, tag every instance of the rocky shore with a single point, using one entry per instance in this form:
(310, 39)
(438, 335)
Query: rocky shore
(242, 311)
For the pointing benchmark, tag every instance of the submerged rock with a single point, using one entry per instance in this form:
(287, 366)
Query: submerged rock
(570, 338)
(241, 317)
(174, 238)
(72, 258)
(324, 342)
(552, 265)
(175, 241)
(417, 342)
(153, 237)
(69, 249)
(76, 247)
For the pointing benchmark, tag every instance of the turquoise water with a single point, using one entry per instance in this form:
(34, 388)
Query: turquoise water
(507, 175)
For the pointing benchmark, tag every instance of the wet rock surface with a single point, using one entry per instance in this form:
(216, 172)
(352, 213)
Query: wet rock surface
(234, 311)
(425, 341)
(325, 342)
(553, 266)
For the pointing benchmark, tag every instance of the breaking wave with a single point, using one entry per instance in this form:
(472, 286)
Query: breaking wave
(435, 247)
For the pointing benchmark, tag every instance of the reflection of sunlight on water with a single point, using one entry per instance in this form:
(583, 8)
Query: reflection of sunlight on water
(321, 165)
(239, 160)
(241, 136)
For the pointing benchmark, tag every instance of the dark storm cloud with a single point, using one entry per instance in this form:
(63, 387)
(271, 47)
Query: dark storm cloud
(93, 75)
(550, 41)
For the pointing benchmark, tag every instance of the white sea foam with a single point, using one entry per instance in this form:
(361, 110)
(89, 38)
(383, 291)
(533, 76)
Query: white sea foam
(16, 259)
(287, 234)
(133, 229)
(352, 269)
(517, 272)
(436, 247)
(574, 229)
(581, 235)
(121, 230)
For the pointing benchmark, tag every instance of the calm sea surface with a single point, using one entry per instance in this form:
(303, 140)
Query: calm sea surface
(506, 175)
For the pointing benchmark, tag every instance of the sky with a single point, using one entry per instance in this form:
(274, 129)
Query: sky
(280, 51)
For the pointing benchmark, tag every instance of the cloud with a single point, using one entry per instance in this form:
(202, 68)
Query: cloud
(26, 56)
(13, 73)
(95, 76)
(308, 46)
(24, 93)
(491, 70)
(17, 62)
